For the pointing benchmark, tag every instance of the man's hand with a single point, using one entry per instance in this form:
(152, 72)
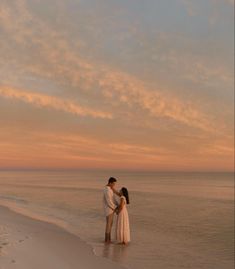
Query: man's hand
(116, 210)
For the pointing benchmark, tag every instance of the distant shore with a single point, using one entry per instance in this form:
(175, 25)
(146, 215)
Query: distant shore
(27, 243)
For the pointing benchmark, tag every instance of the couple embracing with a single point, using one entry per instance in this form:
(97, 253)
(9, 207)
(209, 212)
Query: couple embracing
(115, 202)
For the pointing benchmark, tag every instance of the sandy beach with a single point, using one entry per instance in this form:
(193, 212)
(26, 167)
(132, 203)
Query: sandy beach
(27, 243)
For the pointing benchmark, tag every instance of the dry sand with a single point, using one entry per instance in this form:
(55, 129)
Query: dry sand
(27, 243)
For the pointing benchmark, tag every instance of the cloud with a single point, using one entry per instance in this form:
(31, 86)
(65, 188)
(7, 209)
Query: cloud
(133, 93)
(49, 66)
(190, 7)
(68, 150)
(104, 83)
(56, 103)
(231, 2)
(75, 151)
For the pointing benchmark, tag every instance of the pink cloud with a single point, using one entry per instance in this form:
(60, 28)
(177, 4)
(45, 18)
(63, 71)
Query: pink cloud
(56, 103)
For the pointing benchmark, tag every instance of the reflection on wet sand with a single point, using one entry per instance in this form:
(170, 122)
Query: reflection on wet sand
(116, 252)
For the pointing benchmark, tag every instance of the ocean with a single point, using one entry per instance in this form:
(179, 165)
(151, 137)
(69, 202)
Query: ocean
(178, 220)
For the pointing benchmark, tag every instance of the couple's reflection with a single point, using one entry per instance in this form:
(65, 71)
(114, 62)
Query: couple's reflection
(115, 252)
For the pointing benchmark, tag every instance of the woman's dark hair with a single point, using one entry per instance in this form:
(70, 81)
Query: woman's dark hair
(126, 194)
(112, 180)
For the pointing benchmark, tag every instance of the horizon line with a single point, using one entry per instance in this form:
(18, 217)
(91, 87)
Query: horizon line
(113, 170)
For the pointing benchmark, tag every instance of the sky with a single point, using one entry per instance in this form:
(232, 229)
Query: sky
(117, 84)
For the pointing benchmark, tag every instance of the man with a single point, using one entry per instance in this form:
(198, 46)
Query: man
(110, 206)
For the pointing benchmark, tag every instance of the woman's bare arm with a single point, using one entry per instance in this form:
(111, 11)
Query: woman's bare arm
(121, 205)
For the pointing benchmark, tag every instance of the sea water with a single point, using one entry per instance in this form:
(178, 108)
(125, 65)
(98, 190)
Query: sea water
(178, 220)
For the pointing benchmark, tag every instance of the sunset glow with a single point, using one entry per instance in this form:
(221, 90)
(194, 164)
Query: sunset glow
(93, 84)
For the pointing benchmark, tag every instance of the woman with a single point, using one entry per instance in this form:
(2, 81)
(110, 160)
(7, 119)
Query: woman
(122, 226)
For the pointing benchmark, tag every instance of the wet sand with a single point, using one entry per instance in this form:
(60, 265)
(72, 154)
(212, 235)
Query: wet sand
(26, 243)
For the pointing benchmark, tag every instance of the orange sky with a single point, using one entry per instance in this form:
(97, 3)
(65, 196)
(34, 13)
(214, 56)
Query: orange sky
(116, 86)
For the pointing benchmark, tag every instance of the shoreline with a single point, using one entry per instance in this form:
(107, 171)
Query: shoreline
(27, 243)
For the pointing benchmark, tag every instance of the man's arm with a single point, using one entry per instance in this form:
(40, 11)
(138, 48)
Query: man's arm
(108, 195)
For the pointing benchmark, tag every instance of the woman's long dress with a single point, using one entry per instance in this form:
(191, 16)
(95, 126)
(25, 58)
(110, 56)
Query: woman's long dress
(123, 227)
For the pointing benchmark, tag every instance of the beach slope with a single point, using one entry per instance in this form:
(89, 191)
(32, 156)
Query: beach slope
(27, 243)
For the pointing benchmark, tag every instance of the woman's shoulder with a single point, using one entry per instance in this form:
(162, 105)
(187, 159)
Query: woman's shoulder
(123, 197)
